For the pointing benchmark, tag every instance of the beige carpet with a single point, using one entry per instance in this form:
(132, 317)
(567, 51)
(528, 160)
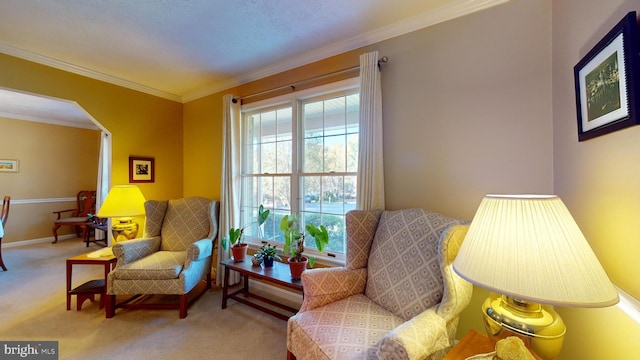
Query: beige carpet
(33, 307)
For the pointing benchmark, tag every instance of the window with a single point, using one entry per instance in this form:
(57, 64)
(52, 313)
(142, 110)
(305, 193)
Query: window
(300, 155)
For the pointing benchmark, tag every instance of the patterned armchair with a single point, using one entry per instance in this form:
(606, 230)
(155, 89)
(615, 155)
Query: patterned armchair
(396, 298)
(172, 257)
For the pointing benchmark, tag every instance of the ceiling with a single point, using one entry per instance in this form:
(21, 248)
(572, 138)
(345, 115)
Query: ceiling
(185, 49)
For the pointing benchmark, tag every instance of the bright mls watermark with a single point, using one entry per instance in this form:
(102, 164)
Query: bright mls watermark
(39, 350)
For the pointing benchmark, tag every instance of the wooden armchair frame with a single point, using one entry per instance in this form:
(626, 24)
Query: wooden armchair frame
(85, 204)
(4, 215)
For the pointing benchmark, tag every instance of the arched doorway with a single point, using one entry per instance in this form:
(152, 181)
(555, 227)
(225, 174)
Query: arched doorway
(18, 105)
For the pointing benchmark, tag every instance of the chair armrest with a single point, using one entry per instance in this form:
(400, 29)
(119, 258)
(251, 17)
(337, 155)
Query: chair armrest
(327, 285)
(132, 250)
(59, 213)
(415, 339)
(199, 250)
(457, 291)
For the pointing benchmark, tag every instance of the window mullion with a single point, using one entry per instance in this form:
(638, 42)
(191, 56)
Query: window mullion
(297, 145)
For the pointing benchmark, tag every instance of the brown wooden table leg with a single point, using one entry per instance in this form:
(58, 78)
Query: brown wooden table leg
(246, 283)
(225, 287)
(4, 268)
(103, 295)
(69, 270)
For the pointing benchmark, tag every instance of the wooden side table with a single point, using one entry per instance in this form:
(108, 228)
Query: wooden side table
(89, 289)
(473, 343)
(93, 227)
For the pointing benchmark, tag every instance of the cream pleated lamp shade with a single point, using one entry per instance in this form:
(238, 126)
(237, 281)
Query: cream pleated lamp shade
(529, 247)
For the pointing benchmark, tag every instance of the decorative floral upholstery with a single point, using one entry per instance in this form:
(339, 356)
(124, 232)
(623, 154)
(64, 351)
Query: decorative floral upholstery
(173, 256)
(397, 296)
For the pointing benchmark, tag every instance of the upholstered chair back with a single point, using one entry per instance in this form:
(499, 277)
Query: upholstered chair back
(361, 228)
(179, 222)
(154, 216)
(404, 265)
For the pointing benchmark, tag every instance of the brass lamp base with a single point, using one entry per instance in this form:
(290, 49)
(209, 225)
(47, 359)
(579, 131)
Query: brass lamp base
(124, 229)
(539, 326)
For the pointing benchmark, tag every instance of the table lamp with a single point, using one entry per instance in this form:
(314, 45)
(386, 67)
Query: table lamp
(123, 202)
(530, 253)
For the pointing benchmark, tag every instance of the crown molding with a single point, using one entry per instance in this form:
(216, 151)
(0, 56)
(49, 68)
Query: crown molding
(79, 70)
(449, 12)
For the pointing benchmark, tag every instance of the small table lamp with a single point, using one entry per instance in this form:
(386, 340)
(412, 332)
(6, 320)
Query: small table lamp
(123, 202)
(529, 250)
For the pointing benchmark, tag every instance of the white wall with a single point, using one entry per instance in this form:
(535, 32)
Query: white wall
(467, 109)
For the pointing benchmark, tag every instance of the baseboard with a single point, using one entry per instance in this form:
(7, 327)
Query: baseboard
(38, 241)
(629, 304)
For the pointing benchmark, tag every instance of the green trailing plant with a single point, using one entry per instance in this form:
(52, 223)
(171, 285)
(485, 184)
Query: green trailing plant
(268, 251)
(294, 238)
(235, 234)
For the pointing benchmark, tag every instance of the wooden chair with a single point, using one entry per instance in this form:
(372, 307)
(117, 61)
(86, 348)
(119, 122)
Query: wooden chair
(4, 215)
(86, 204)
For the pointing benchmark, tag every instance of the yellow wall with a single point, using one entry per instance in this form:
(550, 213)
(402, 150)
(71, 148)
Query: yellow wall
(598, 180)
(55, 162)
(141, 124)
(203, 147)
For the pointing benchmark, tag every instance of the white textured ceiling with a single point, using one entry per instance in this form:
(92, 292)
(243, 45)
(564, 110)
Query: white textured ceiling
(185, 49)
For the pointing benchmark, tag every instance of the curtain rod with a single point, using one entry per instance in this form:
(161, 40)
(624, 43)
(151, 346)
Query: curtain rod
(382, 60)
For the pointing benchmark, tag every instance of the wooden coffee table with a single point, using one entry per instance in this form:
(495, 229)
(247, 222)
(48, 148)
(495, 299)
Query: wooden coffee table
(278, 275)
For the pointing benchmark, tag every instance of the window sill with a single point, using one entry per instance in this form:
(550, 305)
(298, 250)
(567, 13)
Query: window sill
(321, 260)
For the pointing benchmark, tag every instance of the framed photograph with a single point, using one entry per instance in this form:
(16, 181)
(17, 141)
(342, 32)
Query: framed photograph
(9, 166)
(606, 82)
(141, 170)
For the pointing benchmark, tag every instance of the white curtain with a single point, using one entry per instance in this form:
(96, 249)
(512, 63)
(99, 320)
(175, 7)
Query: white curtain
(230, 190)
(370, 161)
(104, 177)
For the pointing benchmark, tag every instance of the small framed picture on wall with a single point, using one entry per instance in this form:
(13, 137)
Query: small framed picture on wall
(141, 169)
(9, 166)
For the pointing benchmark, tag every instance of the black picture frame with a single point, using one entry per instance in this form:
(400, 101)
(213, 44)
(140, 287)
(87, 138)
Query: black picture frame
(606, 82)
(141, 169)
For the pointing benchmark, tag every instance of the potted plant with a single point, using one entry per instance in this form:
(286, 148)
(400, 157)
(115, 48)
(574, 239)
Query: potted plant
(238, 247)
(268, 253)
(294, 243)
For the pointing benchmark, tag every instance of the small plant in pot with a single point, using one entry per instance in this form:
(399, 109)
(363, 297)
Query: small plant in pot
(239, 248)
(268, 253)
(294, 242)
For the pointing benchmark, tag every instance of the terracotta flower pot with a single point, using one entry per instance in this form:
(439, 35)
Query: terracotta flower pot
(297, 267)
(239, 252)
